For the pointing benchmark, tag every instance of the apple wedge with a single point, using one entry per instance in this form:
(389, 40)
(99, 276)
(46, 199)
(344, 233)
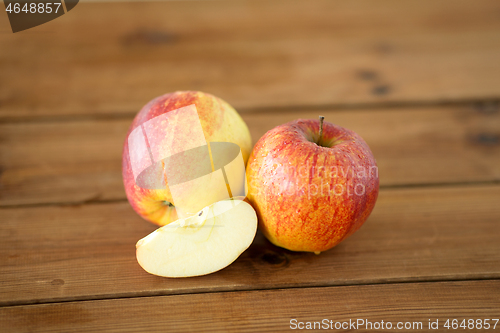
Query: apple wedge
(200, 244)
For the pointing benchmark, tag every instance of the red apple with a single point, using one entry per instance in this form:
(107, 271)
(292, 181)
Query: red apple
(312, 184)
(169, 156)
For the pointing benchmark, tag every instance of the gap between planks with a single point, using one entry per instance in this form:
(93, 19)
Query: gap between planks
(203, 292)
(488, 104)
(382, 188)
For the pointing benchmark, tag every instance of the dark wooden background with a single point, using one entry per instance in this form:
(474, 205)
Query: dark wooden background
(418, 80)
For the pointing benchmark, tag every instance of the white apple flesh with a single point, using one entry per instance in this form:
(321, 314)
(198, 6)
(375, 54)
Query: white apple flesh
(199, 244)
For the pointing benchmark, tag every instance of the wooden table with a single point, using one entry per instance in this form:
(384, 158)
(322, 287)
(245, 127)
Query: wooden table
(419, 80)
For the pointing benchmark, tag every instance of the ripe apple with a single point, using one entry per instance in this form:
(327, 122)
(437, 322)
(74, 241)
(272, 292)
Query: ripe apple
(184, 151)
(312, 184)
(200, 244)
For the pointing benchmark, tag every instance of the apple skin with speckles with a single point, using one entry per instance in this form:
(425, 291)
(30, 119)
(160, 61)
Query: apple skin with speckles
(220, 123)
(310, 193)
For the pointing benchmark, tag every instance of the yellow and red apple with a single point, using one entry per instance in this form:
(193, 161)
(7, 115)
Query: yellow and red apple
(312, 184)
(170, 169)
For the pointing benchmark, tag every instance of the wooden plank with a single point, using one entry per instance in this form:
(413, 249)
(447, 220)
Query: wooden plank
(80, 161)
(61, 162)
(414, 305)
(105, 58)
(86, 252)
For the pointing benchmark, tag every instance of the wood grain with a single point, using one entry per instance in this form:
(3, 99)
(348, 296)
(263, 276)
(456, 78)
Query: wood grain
(87, 252)
(269, 310)
(80, 161)
(107, 58)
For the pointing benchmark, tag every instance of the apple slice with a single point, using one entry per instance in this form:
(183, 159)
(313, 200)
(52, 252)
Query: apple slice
(199, 244)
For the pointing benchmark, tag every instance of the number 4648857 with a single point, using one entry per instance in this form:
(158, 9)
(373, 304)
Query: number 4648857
(471, 324)
(33, 8)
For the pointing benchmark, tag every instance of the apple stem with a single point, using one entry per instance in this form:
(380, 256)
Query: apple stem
(321, 118)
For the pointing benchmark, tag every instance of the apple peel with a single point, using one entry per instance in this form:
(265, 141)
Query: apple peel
(200, 244)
